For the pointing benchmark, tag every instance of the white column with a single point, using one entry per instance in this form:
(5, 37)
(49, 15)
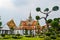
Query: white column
(28, 32)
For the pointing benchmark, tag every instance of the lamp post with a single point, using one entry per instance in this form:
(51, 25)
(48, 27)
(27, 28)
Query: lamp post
(47, 12)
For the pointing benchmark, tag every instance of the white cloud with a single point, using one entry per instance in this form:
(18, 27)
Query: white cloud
(6, 4)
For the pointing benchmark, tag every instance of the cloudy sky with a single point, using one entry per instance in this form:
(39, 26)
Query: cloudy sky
(20, 9)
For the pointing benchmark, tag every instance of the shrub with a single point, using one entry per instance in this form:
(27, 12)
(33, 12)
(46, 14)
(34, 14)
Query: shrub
(41, 36)
(28, 36)
(6, 37)
(48, 33)
(19, 37)
(47, 38)
(58, 35)
(3, 35)
(14, 37)
(53, 33)
(17, 34)
(53, 37)
(57, 32)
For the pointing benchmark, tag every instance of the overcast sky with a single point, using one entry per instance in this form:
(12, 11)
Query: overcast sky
(20, 9)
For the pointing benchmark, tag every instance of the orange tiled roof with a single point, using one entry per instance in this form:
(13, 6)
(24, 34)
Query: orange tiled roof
(34, 23)
(26, 27)
(11, 24)
(24, 23)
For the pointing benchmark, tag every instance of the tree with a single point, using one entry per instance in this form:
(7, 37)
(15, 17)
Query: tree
(55, 8)
(37, 18)
(55, 25)
(49, 20)
(56, 19)
(12, 30)
(46, 9)
(0, 23)
(26, 32)
(47, 12)
(38, 9)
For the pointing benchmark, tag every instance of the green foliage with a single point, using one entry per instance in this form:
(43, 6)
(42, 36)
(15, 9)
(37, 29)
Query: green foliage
(54, 24)
(6, 37)
(47, 9)
(53, 36)
(56, 19)
(48, 33)
(26, 32)
(15, 37)
(30, 32)
(58, 35)
(47, 38)
(49, 20)
(3, 35)
(38, 9)
(0, 23)
(37, 17)
(28, 36)
(51, 29)
(17, 34)
(11, 30)
(53, 33)
(55, 8)
(41, 36)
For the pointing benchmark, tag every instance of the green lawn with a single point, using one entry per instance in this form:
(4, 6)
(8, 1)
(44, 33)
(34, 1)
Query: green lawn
(25, 38)
(28, 38)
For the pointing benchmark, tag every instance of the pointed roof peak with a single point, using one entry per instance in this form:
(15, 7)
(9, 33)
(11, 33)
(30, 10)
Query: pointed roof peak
(30, 17)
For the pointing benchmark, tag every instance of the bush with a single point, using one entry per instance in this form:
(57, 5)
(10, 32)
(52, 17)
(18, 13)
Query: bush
(57, 32)
(47, 38)
(41, 36)
(53, 37)
(17, 34)
(48, 33)
(58, 35)
(19, 37)
(28, 36)
(3, 35)
(14, 37)
(6, 37)
(52, 33)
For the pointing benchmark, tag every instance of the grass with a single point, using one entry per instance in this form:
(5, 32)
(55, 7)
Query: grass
(25, 38)
(28, 38)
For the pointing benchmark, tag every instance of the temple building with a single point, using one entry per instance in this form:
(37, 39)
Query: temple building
(26, 27)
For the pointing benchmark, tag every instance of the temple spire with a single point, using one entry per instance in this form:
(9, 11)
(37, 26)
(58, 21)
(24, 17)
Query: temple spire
(30, 17)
